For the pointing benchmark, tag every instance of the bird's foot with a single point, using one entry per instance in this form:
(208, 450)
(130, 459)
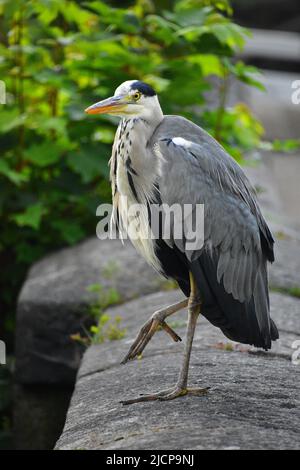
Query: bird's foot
(146, 332)
(169, 394)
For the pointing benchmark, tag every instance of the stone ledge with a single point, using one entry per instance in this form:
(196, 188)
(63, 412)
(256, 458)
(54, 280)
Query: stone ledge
(253, 402)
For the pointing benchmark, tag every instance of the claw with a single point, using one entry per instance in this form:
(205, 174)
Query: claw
(146, 333)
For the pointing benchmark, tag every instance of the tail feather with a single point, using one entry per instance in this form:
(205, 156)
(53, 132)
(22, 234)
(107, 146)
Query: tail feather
(261, 304)
(247, 322)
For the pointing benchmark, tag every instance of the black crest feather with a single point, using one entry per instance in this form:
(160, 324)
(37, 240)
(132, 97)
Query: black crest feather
(144, 88)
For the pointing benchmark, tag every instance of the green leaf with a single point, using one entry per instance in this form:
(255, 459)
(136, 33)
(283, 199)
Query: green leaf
(89, 163)
(27, 252)
(190, 16)
(245, 73)
(10, 119)
(161, 29)
(70, 231)
(230, 34)
(31, 217)
(287, 145)
(94, 288)
(47, 10)
(209, 63)
(12, 175)
(105, 135)
(44, 154)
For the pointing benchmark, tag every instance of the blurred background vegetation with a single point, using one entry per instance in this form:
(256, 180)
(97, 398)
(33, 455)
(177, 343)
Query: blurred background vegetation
(59, 56)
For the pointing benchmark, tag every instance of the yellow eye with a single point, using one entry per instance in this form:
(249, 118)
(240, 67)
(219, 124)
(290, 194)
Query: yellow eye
(136, 96)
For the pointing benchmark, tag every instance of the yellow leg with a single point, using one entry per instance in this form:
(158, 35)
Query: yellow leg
(181, 388)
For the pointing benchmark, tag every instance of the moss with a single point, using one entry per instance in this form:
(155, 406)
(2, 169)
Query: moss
(105, 328)
(280, 235)
(169, 284)
(177, 324)
(110, 270)
(292, 291)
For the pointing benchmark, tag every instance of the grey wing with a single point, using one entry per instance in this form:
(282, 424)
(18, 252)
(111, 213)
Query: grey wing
(234, 229)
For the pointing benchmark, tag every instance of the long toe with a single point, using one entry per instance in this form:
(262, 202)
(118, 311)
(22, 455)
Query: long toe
(147, 397)
(198, 392)
(181, 392)
(138, 342)
(168, 394)
(145, 335)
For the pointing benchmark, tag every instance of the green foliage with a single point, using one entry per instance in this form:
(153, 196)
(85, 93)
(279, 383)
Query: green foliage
(169, 284)
(292, 291)
(105, 298)
(110, 270)
(105, 329)
(59, 56)
(288, 145)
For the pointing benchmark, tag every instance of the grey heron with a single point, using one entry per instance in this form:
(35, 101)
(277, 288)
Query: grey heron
(170, 160)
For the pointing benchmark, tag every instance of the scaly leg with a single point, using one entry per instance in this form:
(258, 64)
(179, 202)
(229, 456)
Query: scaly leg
(180, 388)
(151, 326)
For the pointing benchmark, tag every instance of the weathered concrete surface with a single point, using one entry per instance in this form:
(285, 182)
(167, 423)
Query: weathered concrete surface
(276, 45)
(275, 178)
(54, 301)
(285, 171)
(253, 402)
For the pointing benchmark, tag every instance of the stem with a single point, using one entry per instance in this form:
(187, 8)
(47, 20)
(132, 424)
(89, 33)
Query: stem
(53, 91)
(53, 97)
(20, 82)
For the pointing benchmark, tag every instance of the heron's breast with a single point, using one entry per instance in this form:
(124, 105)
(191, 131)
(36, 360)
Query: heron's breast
(134, 186)
(122, 180)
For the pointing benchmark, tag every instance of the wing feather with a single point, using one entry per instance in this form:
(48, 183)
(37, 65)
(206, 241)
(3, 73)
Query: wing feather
(235, 230)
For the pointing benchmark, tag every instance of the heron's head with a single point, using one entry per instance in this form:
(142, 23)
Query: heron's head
(132, 99)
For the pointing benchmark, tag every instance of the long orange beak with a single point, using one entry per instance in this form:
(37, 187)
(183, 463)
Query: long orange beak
(109, 106)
